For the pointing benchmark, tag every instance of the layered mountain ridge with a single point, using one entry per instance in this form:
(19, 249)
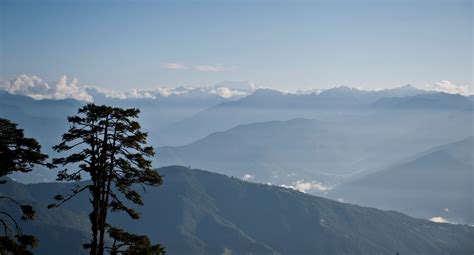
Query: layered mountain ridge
(199, 212)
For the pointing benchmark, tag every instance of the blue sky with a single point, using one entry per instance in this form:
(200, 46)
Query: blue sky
(280, 44)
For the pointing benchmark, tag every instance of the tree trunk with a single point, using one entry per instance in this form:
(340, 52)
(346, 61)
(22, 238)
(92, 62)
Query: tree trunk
(103, 219)
(93, 218)
(105, 180)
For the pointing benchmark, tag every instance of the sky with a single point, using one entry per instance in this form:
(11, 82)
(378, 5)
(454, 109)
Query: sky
(278, 44)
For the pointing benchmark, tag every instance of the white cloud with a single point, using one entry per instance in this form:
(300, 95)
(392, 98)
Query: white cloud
(36, 88)
(64, 90)
(451, 88)
(165, 92)
(26, 85)
(109, 92)
(237, 85)
(136, 93)
(227, 251)
(304, 186)
(228, 93)
(210, 68)
(248, 177)
(174, 66)
(439, 219)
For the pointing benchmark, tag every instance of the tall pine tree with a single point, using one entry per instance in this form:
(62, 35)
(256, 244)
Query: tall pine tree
(17, 154)
(107, 144)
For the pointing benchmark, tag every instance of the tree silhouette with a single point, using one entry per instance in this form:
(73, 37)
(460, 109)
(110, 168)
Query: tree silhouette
(107, 144)
(126, 243)
(17, 154)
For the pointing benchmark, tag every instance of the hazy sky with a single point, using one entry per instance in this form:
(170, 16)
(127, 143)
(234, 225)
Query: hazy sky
(284, 44)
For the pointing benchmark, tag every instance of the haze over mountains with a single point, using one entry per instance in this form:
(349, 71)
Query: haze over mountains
(199, 212)
(228, 127)
(337, 103)
(436, 183)
(312, 141)
(282, 152)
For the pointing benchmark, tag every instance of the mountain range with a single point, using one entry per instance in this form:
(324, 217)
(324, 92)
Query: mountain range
(199, 212)
(321, 151)
(436, 183)
(347, 114)
(342, 96)
(335, 103)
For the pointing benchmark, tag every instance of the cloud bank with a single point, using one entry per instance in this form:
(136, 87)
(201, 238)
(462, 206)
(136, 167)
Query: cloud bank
(439, 219)
(248, 177)
(451, 88)
(36, 88)
(228, 93)
(305, 186)
(174, 66)
(63, 88)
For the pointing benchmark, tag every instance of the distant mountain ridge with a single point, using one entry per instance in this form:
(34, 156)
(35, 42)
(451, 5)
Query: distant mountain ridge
(307, 150)
(183, 118)
(199, 212)
(33, 86)
(442, 101)
(246, 86)
(269, 104)
(436, 183)
(334, 97)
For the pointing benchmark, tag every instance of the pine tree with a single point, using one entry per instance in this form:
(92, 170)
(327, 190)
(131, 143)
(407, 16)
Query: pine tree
(106, 143)
(17, 154)
(126, 243)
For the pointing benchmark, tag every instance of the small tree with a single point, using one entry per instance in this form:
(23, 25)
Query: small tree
(17, 154)
(107, 144)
